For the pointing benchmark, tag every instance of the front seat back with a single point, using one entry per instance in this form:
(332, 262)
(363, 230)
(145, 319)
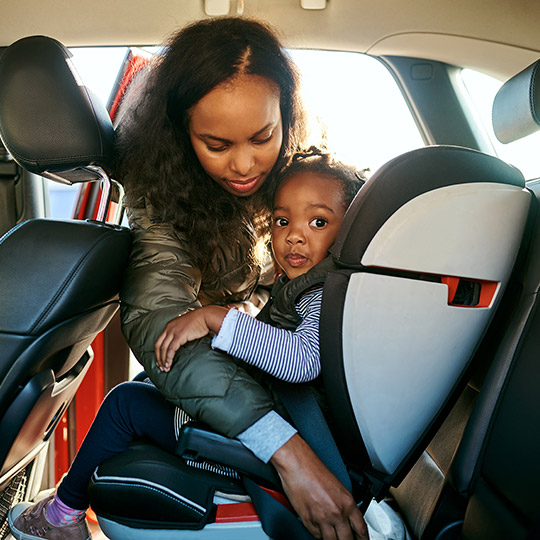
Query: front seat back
(60, 279)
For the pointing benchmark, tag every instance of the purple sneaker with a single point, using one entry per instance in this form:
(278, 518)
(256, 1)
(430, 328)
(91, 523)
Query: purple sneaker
(29, 521)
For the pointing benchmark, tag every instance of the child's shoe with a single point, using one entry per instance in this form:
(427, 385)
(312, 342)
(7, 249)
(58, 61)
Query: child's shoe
(29, 521)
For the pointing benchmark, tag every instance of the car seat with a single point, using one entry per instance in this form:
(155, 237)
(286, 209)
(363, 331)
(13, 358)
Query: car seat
(423, 257)
(60, 278)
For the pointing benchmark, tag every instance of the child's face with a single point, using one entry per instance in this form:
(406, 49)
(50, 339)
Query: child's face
(308, 212)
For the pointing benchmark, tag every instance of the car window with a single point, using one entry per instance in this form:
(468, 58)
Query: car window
(482, 89)
(352, 100)
(357, 103)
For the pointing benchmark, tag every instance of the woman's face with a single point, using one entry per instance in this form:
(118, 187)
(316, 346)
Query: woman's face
(236, 133)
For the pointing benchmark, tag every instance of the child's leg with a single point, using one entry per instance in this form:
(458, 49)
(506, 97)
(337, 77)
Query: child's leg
(131, 410)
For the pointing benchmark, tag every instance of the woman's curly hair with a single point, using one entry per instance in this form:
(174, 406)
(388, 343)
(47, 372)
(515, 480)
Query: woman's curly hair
(155, 158)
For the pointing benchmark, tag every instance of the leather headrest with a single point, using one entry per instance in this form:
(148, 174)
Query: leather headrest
(516, 108)
(49, 121)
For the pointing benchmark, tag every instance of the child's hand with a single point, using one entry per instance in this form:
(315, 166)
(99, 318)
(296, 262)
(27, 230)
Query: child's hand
(179, 331)
(186, 327)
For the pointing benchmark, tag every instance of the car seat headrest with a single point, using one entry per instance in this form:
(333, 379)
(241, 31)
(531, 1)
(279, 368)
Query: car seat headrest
(49, 121)
(516, 108)
(401, 180)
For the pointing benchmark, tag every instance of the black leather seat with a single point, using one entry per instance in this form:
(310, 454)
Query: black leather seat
(60, 279)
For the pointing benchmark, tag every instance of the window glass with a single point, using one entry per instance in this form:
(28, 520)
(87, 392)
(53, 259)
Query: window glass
(522, 153)
(351, 98)
(359, 106)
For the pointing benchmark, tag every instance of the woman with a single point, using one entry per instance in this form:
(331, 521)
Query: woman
(199, 149)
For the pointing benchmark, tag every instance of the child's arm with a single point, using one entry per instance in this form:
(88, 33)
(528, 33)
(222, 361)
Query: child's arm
(292, 356)
(187, 327)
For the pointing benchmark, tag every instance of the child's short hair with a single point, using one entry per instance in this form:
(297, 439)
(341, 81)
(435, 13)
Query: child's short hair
(322, 163)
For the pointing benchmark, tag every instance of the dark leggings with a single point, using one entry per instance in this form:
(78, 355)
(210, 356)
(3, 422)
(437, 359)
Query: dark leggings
(130, 411)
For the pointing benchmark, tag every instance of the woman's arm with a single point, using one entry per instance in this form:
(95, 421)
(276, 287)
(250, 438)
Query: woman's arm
(325, 507)
(161, 282)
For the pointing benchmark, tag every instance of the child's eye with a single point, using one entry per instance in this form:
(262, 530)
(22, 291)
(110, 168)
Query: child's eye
(281, 222)
(319, 223)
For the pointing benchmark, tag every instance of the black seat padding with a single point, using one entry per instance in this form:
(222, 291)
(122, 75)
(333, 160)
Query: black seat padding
(51, 121)
(173, 496)
(60, 278)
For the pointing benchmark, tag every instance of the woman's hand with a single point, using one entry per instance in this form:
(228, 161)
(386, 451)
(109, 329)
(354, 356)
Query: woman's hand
(326, 508)
(186, 327)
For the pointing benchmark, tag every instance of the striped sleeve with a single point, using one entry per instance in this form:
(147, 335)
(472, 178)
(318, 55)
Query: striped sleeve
(291, 356)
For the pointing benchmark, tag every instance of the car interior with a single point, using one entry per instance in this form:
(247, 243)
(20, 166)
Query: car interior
(428, 326)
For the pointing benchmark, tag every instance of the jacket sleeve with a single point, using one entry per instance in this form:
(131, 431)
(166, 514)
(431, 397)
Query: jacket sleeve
(212, 387)
(160, 283)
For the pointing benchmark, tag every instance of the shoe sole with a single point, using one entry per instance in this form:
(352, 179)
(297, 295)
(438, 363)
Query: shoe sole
(13, 514)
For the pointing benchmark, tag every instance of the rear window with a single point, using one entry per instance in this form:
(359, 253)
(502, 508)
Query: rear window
(358, 105)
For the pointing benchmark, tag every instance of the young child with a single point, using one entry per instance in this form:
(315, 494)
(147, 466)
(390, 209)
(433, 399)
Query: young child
(309, 205)
(310, 202)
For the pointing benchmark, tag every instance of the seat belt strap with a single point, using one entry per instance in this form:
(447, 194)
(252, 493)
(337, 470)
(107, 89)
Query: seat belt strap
(277, 521)
(311, 424)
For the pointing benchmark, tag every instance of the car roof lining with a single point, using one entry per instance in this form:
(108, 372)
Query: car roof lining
(498, 36)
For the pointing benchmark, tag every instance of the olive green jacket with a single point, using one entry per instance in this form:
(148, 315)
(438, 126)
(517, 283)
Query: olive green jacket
(162, 282)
